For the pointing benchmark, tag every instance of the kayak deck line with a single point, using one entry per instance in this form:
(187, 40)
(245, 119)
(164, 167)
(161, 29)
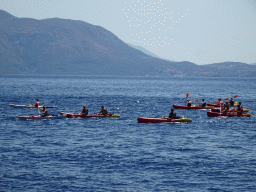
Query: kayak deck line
(162, 120)
(192, 107)
(230, 110)
(110, 115)
(216, 114)
(32, 117)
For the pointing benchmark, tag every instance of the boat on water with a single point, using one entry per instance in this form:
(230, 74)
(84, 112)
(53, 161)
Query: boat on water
(230, 110)
(232, 114)
(94, 115)
(192, 107)
(32, 117)
(30, 106)
(162, 120)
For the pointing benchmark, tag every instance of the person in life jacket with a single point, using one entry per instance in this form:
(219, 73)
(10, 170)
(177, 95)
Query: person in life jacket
(37, 102)
(84, 111)
(203, 104)
(173, 115)
(231, 102)
(189, 103)
(239, 108)
(226, 107)
(103, 111)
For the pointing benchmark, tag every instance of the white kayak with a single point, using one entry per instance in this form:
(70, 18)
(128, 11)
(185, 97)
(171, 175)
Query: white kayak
(32, 117)
(31, 106)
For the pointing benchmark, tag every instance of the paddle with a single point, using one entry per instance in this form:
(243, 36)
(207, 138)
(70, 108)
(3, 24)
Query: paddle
(197, 102)
(220, 107)
(39, 115)
(226, 99)
(235, 96)
(186, 99)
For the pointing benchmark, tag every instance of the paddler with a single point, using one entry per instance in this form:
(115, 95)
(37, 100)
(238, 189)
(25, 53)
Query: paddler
(45, 112)
(173, 115)
(231, 102)
(103, 111)
(226, 107)
(239, 109)
(203, 105)
(37, 103)
(84, 111)
(189, 103)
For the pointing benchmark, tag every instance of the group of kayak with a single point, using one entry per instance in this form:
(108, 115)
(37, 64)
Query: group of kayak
(229, 109)
(44, 114)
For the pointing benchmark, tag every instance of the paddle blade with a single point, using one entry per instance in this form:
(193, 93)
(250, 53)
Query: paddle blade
(187, 95)
(218, 102)
(235, 96)
(197, 100)
(236, 102)
(226, 99)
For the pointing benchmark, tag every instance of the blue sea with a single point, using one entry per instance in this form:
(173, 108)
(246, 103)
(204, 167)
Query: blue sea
(209, 154)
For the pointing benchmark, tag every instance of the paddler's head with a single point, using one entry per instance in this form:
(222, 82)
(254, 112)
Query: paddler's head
(219, 99)
(37, 99)
(172, 109)
(102, 107)
(202, 99)
(240, 103)
(84, 106)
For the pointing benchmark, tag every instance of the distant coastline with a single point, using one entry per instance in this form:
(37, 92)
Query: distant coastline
(68, 47)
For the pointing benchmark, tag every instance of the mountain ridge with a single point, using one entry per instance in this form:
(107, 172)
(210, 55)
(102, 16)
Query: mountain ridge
(63, 46)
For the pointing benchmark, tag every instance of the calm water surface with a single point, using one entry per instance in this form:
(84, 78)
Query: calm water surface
(209, 154)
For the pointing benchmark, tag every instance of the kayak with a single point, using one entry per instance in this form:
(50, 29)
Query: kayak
(214, 105)
(32, 117)
(30, 106)
(162, 120)
(215, 114)
(69, 115)
(217, 105)
(192, 107)
(230, 110)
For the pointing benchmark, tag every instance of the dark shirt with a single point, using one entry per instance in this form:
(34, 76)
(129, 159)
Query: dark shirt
(204, 104)
(231, 103)
(45, 113)
(239, 109)
(189, 104)
(104, 111)
(226, 107)
(172, 115)
(85, 111)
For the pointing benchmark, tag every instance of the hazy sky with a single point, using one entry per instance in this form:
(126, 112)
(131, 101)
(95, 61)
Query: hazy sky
(200, 31)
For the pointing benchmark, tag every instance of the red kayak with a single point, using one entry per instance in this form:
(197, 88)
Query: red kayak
(162, 120)
(69, 115)
(192, 107)
(215, 114)
(230, 110)
(214, 105)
